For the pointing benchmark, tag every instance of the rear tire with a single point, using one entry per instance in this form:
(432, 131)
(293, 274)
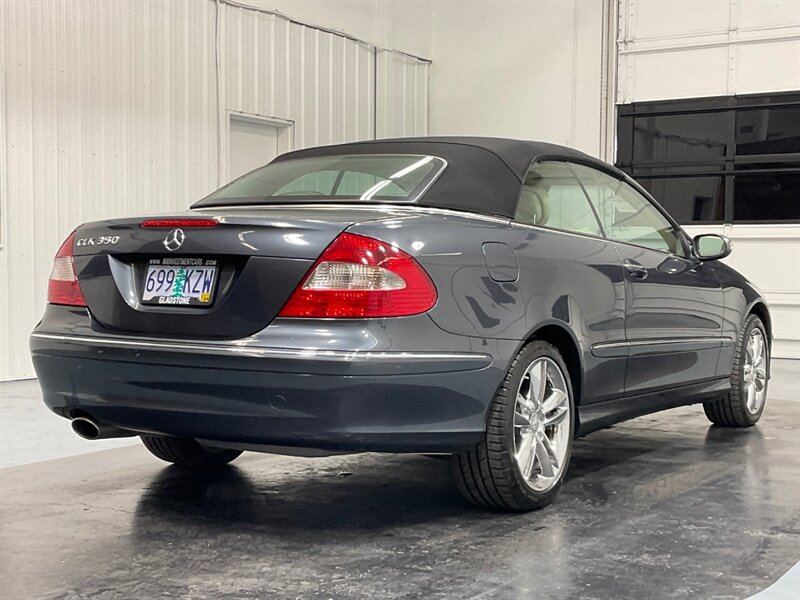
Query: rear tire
(187, 453)
(744, 404)
(521, 463)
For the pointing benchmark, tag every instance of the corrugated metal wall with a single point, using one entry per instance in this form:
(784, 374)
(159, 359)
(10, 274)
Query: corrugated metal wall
(321, 81)
(402, 95)
(117, 108)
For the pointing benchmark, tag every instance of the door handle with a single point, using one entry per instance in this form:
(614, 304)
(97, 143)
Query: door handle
(635, 269)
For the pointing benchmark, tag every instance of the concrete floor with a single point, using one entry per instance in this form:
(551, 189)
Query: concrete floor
(30, 433)
(664, 506)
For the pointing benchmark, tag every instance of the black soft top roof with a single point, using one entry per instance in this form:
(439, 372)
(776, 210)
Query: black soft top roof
(483, 174)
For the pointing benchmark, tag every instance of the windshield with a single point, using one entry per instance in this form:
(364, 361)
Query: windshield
(356, 177)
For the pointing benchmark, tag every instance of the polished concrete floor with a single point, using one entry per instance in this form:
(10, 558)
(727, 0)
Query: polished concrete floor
(659, 507)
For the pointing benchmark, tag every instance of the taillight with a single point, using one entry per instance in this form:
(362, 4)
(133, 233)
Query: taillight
(172, 223)
(361, 277)
(63, 287)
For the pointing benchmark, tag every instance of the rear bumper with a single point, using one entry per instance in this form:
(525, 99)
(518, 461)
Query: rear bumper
(239, 393)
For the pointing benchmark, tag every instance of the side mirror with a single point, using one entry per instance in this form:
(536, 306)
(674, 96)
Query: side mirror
(711, 246)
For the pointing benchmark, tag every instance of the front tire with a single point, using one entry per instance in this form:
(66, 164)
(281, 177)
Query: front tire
(744, 404)
(521, 463)
(187, 453)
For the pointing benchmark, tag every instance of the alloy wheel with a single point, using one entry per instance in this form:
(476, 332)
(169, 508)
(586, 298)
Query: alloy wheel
(542, 424)
(755, 370)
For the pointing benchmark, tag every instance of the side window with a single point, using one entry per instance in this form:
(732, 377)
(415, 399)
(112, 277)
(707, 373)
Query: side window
(626, 215)
(552, 197)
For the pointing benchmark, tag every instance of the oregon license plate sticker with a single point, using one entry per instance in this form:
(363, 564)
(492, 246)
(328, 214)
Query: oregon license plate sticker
(180, 281)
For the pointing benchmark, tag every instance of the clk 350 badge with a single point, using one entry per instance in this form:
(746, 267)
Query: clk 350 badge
(103, 240)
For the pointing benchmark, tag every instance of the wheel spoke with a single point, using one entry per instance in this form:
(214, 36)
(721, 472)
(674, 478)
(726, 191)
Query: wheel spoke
(529, 463)
(520, 420)
(760, 380)
(525, 450)
(557, 416)
(551, 450)
(751, 396)
(525, 447)
(526, 403)
(544, 458)
(554, 400)
(526, 455)
(758, 350)
(538, 375)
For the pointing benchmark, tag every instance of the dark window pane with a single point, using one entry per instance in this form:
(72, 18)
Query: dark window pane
(767, 197)
(762, 99)
(698, 137)
(624, 140)
(689, 199)
(686, 160)
(677, 170)
(683, 105)
(768, 131)
(755, 165)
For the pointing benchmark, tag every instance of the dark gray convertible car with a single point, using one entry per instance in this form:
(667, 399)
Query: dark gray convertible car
(489, 299)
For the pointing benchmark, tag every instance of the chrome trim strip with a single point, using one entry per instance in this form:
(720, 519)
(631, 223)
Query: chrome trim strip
(295, 353)
(694, 340)
(412, 208)
(562, 231)
(428, 185)
(462, 213)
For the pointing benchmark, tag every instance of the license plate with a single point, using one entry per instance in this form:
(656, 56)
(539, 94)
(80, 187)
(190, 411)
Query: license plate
(180, 281)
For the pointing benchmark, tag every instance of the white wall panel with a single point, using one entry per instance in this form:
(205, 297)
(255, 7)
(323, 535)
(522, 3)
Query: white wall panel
(118, 108)
(676, 19)
(528, 70)
(756, 72)
(671, 49)
(763, 14)
(648, 74)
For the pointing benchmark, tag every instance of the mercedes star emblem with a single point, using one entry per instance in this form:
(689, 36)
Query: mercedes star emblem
(174, 240)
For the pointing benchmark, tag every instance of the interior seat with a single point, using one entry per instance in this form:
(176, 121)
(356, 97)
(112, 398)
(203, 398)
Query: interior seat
(534, 205)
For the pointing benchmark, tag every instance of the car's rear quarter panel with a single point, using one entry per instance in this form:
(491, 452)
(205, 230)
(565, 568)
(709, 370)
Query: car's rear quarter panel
(568, 281)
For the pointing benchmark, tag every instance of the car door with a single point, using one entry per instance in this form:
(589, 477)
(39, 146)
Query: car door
(570, 274)
(673, 302)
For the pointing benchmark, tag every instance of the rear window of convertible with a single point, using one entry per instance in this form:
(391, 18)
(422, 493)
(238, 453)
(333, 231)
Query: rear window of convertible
(357, 177)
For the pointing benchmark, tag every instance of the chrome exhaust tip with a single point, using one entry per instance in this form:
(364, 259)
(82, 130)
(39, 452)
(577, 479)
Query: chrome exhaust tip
(89, 430)
(86, 428)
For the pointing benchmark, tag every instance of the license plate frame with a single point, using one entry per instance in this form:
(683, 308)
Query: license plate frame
(199, 289)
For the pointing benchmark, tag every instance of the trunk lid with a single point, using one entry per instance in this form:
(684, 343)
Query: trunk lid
(258, 256)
